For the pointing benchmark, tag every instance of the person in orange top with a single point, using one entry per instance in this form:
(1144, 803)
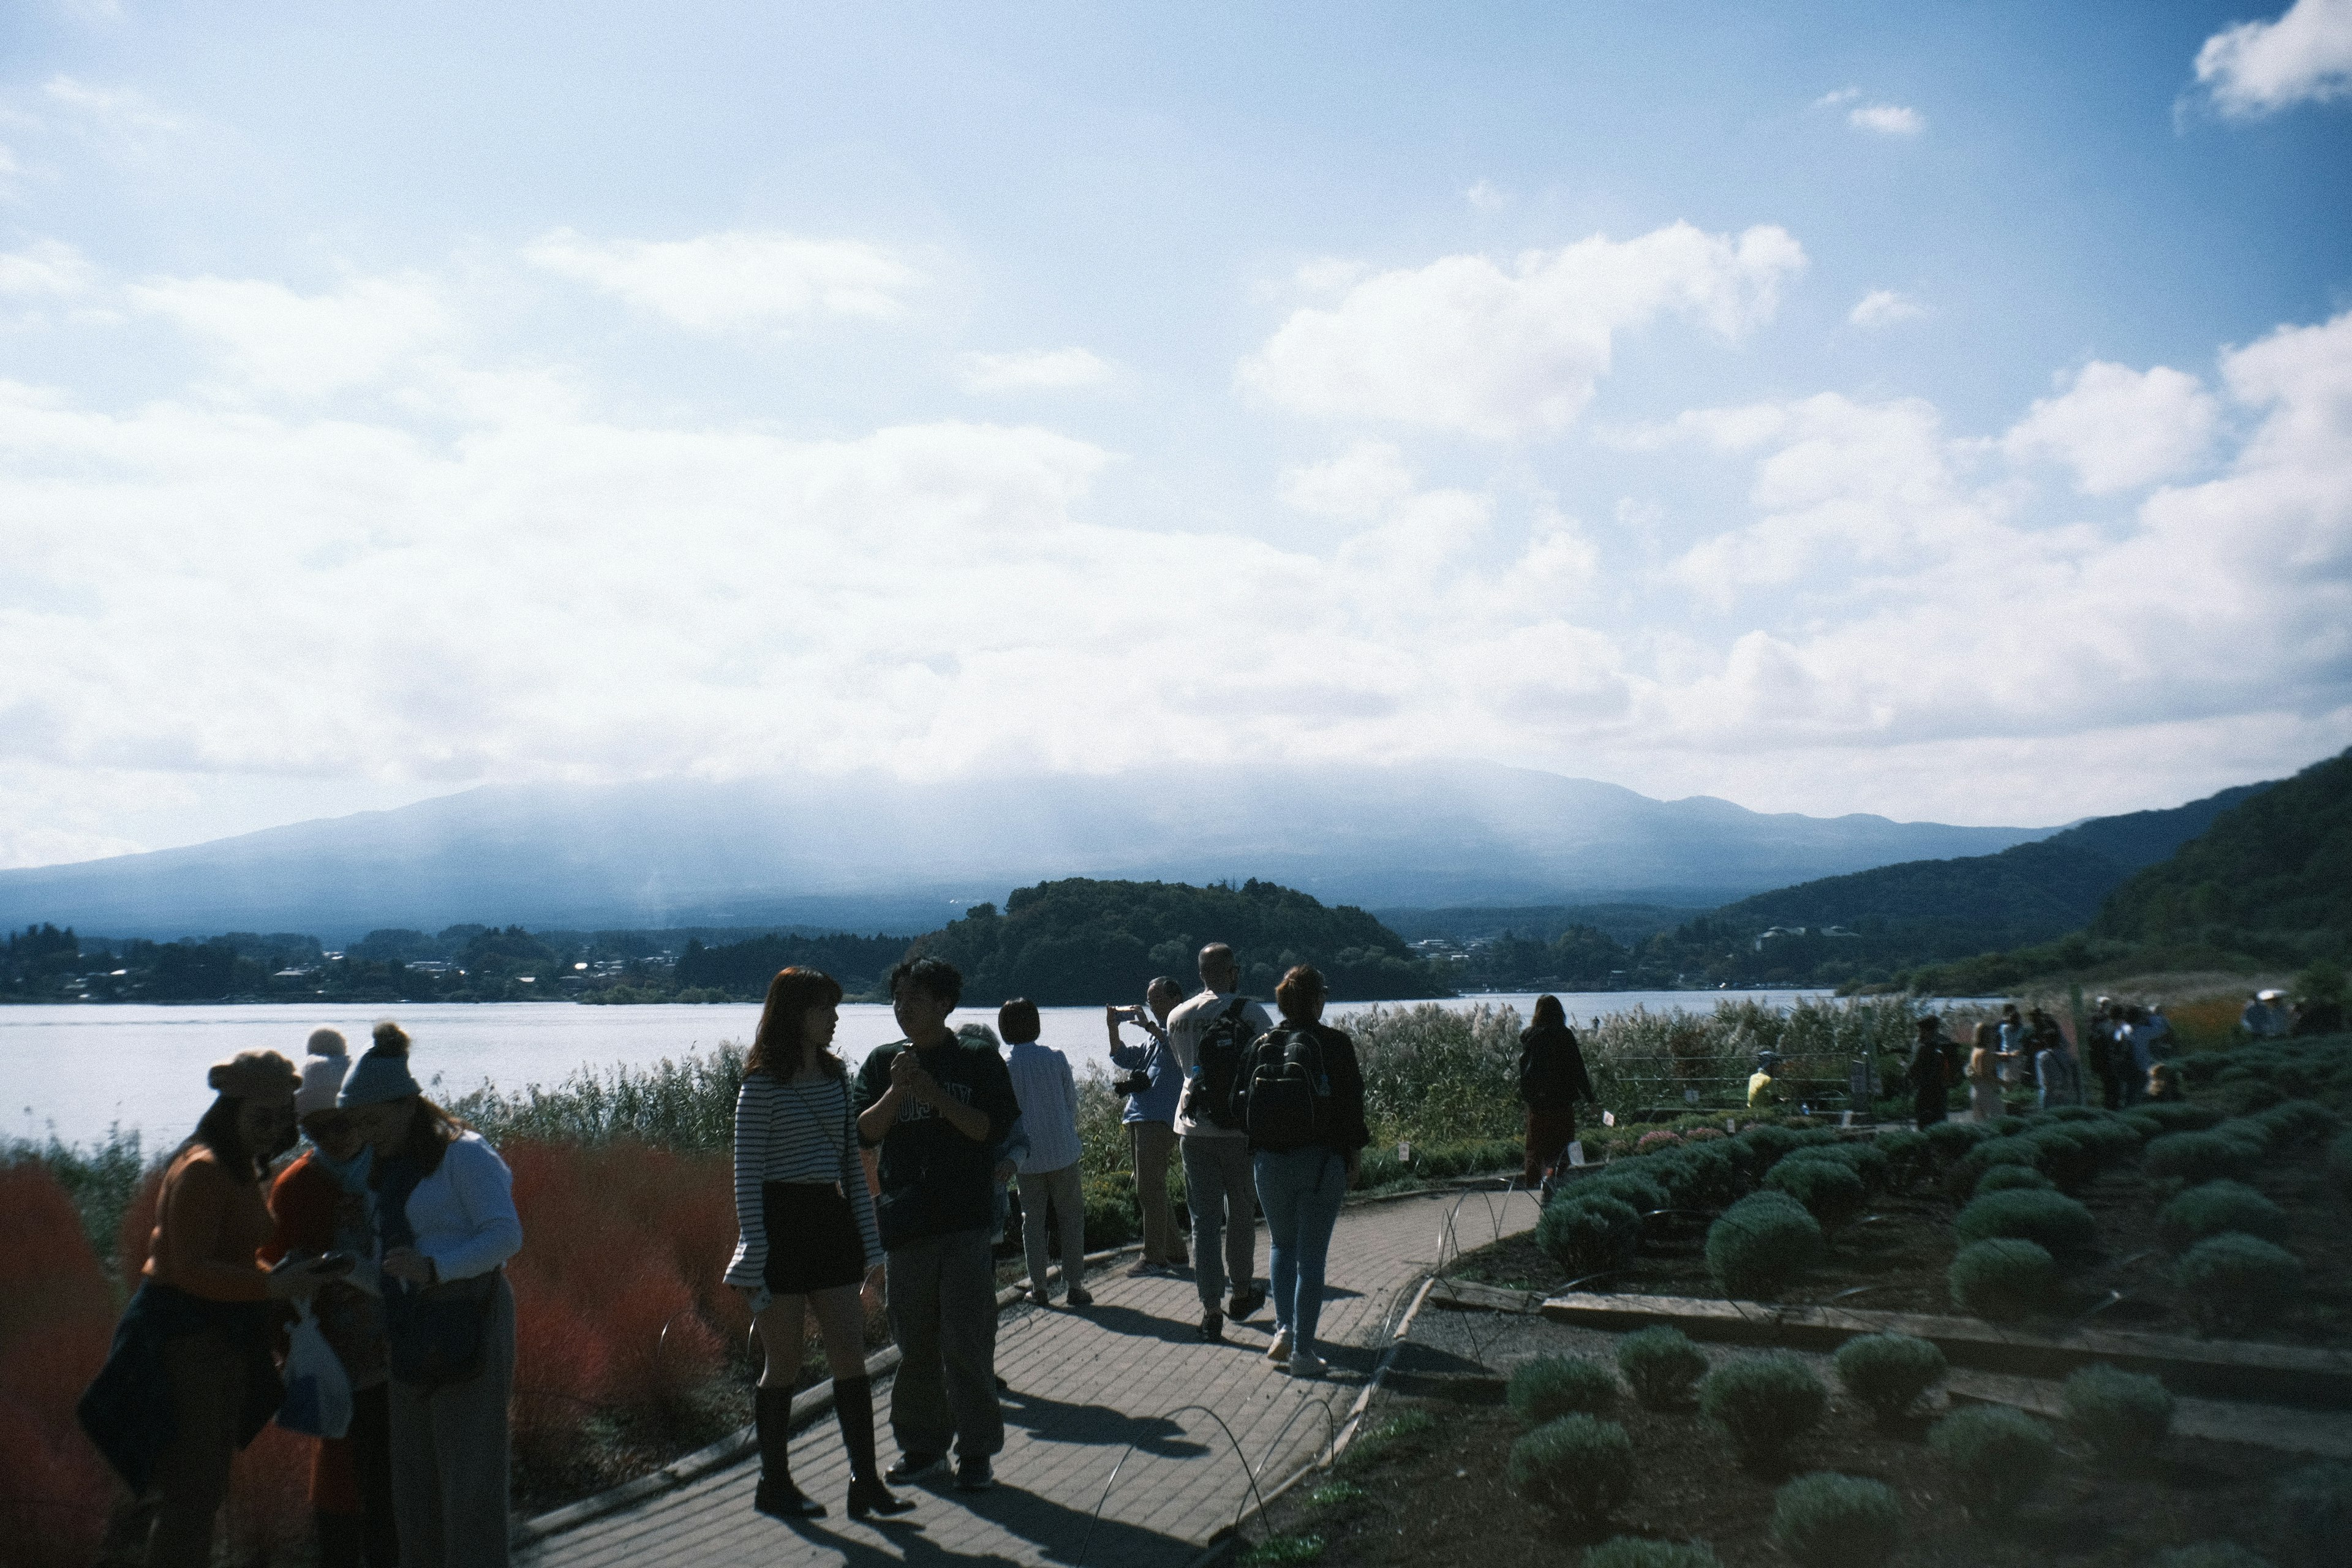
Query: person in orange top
(190, 1378)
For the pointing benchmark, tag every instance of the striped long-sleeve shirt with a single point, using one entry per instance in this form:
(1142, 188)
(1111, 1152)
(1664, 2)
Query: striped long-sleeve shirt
(794, 1133)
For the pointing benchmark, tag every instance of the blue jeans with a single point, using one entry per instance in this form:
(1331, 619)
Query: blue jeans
(1300, 1190)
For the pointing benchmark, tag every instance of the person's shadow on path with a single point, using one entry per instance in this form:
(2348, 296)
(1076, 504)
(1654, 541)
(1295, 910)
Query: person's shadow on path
(1098, 1425)
(1065, 1534)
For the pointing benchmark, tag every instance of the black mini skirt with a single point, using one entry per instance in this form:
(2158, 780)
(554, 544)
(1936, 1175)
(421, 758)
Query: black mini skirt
(813, 1240)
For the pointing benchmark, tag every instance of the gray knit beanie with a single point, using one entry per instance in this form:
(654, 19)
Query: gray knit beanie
(383, 1073)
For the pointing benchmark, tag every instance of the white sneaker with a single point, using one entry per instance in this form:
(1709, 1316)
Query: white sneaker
(1280, 1349)
(1306, 1363)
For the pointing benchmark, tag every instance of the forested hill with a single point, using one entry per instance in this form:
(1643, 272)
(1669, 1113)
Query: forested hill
(2275, 868)
(2027, 894)
(1079, 940)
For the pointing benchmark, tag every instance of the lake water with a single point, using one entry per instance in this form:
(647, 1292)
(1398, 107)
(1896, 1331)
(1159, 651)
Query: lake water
(75, 1071)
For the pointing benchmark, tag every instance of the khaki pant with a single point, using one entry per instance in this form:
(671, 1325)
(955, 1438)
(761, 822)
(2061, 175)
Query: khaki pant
(1069, 1207)
(1152, 1142)
(450, 1457)
(207, 1379)
(1221, 1190)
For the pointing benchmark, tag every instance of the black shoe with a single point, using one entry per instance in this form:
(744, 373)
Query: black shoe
(973, 1475)
(1244, 1304)
(1213, 1326)
(872, 1496)
(1078, 1296)
(782, 1500)
(913, 1467)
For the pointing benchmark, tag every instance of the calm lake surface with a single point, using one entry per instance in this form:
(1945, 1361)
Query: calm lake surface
(75, 1071)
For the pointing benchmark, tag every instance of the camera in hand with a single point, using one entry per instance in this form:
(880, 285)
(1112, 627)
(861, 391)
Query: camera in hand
(1136, 1082)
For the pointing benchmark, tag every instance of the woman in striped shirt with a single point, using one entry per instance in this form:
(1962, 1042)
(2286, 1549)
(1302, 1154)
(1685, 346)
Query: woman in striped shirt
(809, 1241)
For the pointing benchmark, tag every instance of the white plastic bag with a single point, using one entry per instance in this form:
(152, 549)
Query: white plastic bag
(318, 1390)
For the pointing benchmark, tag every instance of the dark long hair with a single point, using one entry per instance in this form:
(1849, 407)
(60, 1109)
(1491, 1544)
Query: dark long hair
(779, 1044)
(216, 1131)
(1549, 1011)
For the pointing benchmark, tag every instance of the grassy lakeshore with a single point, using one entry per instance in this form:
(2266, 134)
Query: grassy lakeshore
(632, 1352)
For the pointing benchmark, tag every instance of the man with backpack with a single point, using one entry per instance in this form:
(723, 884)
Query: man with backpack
(1210, 1034)
(1301, 1097)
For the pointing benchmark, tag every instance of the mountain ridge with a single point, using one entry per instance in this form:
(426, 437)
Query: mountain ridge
(868, 852)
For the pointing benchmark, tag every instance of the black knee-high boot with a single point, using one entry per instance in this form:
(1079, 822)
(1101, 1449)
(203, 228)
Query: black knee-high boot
(852, 1406)
(771, 1418)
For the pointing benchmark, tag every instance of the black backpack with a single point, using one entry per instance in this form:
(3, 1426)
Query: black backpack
(1209, 1096)
(1286, 1102)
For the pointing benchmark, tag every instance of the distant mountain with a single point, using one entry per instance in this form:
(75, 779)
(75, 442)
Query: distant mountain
(873, 853)
(2278, 866)
(2029, 893)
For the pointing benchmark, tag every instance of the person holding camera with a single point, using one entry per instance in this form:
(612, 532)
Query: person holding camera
(1210, 1034)
(1152, 1079)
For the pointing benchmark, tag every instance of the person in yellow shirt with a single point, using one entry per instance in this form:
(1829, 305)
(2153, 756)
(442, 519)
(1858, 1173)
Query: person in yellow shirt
(1761, 1090)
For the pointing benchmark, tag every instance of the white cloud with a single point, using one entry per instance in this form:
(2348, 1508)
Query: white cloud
(44, 267)
(1328, 274)
(1898, 602)
(1487, 196)
(305, 345)
(121, 119)
(1886, 119)
(1035, 369)
(2256, 69)
(736, 279)
(1884, 307)
(1466, 344)
(2120, 428)
(1840, 96)
(1359, 483)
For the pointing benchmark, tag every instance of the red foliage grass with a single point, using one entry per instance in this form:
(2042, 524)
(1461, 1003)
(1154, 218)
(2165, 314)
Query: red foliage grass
(57, 1317)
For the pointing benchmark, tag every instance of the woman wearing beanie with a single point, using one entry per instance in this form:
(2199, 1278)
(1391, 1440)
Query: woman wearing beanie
(445, 1226)
(809, 1239)
(190, 1378)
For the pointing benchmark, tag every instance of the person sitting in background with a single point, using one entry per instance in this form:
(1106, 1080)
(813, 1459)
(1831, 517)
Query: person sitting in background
(321, 1203)
(1762, 1089)
(1552, 1080)
(2164, 1083)
(1049, 1167)
(1150, 1118)
(190, 1378)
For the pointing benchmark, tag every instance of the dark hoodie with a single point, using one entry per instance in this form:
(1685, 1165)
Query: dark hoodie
(1551, 1068)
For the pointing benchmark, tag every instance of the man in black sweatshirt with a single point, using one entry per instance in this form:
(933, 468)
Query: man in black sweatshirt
(936, 1106)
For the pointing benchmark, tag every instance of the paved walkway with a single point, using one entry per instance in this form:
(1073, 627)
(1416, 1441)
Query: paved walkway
(1086, 1387)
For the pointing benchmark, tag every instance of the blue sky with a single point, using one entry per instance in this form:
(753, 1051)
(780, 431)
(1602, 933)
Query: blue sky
(1944, 412)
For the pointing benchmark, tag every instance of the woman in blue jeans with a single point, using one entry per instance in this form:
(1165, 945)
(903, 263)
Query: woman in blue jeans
(1302, 1101)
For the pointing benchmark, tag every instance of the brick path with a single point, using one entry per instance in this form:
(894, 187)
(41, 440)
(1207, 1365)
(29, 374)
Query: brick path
(1085, 1386)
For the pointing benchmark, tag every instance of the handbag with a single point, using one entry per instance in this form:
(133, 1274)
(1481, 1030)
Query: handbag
(318, 1400)
(435, 1336)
